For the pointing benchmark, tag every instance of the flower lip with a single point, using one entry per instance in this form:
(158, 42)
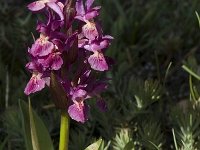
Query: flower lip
(90, 30)
(79, 112)
(35, 84)
(41, 47)
(97, 61)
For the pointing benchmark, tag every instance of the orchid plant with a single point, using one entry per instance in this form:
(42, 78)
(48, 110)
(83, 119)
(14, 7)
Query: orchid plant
(68, 56)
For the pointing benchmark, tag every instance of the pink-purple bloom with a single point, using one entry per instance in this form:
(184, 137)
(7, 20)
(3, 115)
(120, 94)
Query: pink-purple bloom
(41, 47)
(36, 83)
(72, 55)
(85, 13)
(42, 4)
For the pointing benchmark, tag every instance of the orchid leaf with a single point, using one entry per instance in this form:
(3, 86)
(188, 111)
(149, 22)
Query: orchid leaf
(37, 134)
(25, 124)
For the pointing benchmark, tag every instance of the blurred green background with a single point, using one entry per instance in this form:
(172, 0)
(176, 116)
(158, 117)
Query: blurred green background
(150, 93)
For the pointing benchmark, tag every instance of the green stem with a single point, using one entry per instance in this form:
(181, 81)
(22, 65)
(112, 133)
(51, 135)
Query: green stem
(64, 131)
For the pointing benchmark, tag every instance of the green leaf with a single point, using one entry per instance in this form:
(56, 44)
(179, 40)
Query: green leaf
(25, 124)
(34, 136)
(36, 133)
(95, 146)
(129, 146)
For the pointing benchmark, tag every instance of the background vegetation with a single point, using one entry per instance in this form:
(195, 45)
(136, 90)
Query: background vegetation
(153, 102)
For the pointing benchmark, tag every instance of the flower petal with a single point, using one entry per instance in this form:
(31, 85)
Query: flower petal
(98, 62)
(82, 42)
(45, 61)
(34, 66)
(57, 9)
(78, 112)
(91, 15)
(97, 45)
(90, 31)
(108, 37)
(60, 5)
(35, 84)
(56, 24)
(80, 8)
(56, 62)
(89, 4)
(42, 28)
(78, 95)
(41, 47)
(80, 18)
(52, 61)
(36, 6)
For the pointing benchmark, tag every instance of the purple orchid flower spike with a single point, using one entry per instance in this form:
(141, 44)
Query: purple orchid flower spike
(61, 47)
(53, 4)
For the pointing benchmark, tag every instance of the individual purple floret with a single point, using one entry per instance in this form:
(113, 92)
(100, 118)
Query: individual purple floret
(52, 62)
(36, 83)
(67, 58)
(90, 30)
(38, 79)
(86, 13)
(78, 110)
(97, 60)
(47, 53)
(53, 4)
(41, 47)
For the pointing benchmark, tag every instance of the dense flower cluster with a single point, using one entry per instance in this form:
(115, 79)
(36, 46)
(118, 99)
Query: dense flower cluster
(74, 56)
